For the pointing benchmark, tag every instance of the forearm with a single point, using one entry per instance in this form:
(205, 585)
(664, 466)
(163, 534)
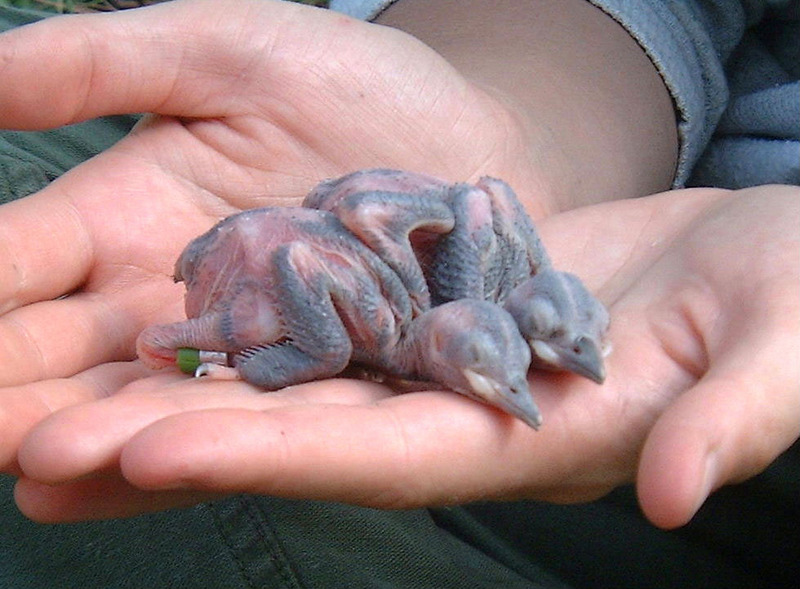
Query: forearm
(599, 121)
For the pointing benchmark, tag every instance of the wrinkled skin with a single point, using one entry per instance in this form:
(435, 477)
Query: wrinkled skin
(292, 296)
(448, 242)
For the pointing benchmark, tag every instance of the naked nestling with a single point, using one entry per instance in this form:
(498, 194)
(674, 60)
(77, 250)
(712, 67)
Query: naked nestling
(407, 274)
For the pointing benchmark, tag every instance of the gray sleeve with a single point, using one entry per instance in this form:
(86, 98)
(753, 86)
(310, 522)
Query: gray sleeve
(363, 9)
(674, 35)
(732, 69)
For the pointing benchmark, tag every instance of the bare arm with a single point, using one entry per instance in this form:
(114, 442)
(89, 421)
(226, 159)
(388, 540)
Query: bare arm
(598, 118)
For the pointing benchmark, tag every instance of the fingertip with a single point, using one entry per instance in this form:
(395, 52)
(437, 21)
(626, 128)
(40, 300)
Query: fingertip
(730, 426)
(95, 498)
(160, 456)
(95, 65)
(39, 61)
(44, 457)
(675, 476)
(203, 449)
(85, 438)
(48, 504)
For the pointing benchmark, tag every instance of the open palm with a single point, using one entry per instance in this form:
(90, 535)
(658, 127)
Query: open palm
(255, 103)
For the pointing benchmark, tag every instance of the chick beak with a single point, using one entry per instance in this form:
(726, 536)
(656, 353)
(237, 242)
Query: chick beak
(584, 358)
(514, 398)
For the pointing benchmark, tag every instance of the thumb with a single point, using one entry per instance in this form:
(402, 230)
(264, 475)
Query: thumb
(731, 425)
(175, 58)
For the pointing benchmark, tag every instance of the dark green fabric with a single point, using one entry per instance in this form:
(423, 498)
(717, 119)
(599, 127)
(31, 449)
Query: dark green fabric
(249, 542)
(746, 536)
(313, 544)
(29, 161)
(173, 549)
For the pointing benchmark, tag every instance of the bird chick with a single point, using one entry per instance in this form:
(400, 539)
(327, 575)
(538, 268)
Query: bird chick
(562, 322)
(477, 242)
(285, 296)
(475, 348)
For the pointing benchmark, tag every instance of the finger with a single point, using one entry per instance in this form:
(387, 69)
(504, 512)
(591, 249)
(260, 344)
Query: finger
(21, 408)
(730, 426)
(54, 339)
(744, 315)
(96, 499)
(45, 250)
(86, 225)
(167, 59)
(85, 234)
(88, 438)
(405, 451)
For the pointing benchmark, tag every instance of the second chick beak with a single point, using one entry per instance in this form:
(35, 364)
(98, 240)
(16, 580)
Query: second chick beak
(584, 357)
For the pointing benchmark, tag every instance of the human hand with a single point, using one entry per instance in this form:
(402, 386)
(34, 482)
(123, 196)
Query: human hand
(255, 103)
(701, 391)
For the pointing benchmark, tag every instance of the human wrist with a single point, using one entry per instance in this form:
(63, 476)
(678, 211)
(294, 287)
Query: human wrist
(595, 113)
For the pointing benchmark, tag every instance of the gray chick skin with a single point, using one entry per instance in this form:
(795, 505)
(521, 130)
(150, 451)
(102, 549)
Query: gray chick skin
(448, 242)
(290, 296)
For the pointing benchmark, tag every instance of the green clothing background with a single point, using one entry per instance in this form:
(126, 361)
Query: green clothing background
(746, 536)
